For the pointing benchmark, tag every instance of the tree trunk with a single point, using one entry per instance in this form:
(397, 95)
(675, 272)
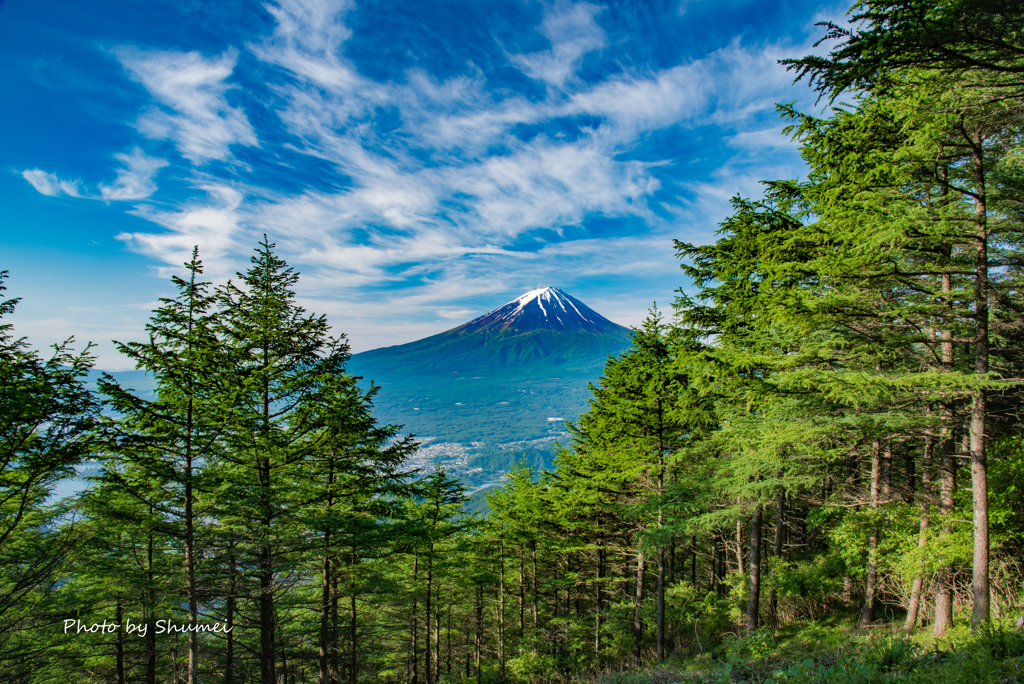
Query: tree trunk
(119, 642)
(437, 634)
(427, 648)
(415, 626)
(191, 589)
(671, 571)
(867, 613)
(944, 579)
(661, 605)
(151, 617)
(533, 545)
(887, 473)
(267, 642)
(325, 589)
(284, 656)
(773, 601)
(922, 537)
(660, 648)
(325, 614)
(479, 636)
(739, 545)
(501, 607)
(947, 472)
(979, 465)
(693, 563)
(229, 658)
(597, 601)
(754, 600)
(353, 668)
(335, 650)
(265, 560)
(522, 592)
(638, 617)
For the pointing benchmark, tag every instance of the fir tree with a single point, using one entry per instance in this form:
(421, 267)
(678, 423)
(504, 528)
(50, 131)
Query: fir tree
(287, 370)
(175, 438)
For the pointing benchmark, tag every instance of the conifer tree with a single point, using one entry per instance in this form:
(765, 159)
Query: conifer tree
(982, 39)
(175, 438)
(126, 573)
(354, 486)
(622, 450)
(957, 64)
(287, 368)
(435, 517)
(46, 429)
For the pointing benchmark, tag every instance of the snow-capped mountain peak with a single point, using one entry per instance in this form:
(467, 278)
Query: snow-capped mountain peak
(546, 307)
(544, 328)
(555, 298)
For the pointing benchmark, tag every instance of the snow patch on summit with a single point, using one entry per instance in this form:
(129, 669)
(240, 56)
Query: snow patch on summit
(540, 295)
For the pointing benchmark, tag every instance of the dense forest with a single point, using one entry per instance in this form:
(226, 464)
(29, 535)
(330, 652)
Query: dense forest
(812, 471)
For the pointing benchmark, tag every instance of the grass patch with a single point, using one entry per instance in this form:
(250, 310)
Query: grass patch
(837, 652)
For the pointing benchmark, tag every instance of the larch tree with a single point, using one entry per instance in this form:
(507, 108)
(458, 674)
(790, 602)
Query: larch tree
(959, 65)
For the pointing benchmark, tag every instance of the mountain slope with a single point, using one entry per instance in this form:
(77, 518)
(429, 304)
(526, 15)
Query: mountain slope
(541, 331)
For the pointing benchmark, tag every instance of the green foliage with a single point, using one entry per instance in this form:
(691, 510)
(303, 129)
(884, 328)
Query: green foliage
(757, 645)
(531, 664)
(47, 421)
(700, 619)
(1006, 479)
(890, 36)
(822, 655)
(892, 653)
(1001, 642)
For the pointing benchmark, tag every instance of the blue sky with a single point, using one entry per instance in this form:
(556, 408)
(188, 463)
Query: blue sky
(419, 162)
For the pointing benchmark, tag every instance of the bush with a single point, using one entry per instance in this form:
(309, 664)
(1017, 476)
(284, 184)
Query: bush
(698, 620)
(1001, 642)
(891, 653)
(531, 666)
(758, 645)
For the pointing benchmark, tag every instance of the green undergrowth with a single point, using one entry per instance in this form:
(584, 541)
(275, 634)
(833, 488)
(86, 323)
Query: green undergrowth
(834, 652)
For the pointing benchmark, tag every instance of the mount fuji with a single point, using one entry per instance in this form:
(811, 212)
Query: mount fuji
(495, 389)
(542, 331)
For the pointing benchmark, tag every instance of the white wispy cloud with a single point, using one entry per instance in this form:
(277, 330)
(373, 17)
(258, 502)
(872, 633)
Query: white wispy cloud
(456, 314)
(455, 188)
(466, 201)
(761, 140)
(201, 122)
(572, 31)
(306, 40)
(212, 224)
(49, 184)
(135, 179)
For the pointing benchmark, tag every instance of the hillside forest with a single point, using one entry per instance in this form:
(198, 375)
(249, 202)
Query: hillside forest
(811, 470)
